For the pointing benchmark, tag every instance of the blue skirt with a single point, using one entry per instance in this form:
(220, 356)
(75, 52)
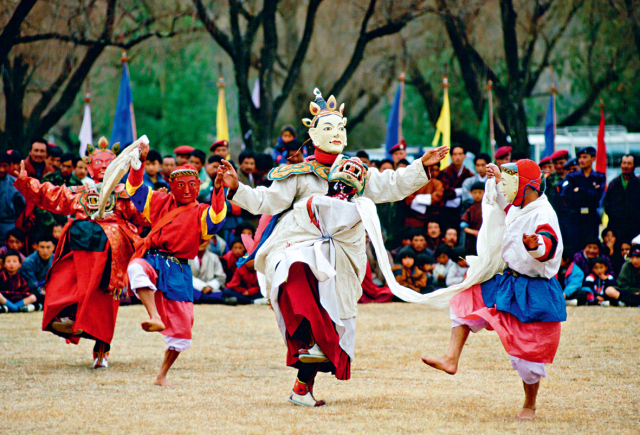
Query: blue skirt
(528, 299)
(175, 280)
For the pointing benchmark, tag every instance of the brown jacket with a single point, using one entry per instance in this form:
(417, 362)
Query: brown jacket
(413, 278)
(435, 188)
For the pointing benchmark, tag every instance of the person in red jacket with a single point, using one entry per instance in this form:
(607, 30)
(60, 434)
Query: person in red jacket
(244, 285)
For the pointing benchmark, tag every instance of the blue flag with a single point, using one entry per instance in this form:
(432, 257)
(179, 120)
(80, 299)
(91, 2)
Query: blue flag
(393, 124)
(123, 120)
(549, 135)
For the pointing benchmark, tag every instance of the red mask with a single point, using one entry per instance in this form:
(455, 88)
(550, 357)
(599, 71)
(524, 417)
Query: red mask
(99, 163)
(185, 189)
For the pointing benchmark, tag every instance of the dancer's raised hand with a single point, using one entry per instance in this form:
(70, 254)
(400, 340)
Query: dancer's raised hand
(23, 172)
(226, 175)
(494, 171)
(434, 155)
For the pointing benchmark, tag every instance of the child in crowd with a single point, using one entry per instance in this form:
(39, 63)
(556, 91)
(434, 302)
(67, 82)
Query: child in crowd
(13, 241)
(417, 247)
(287, 142)
(591, 250)
(570, 278)
(621, 256)
(458, 270)
(627, 288)
(406, 234)
(14, 291)
(208, 276)
(472, 218)
(408, 274)
(597, 282)
(56, 231)
(36, 266)
(443, 264)
(244, 285)
(230, 259)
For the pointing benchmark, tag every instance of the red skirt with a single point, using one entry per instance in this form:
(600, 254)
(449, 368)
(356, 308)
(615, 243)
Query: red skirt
(371, 292)
(299, 301)
(536, 342)
(77, 278)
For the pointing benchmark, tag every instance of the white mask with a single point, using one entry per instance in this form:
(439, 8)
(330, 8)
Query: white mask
(330, 135)
(509, 186)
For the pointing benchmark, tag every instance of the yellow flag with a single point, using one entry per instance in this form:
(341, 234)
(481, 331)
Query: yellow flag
(222, 127)
(443, 127)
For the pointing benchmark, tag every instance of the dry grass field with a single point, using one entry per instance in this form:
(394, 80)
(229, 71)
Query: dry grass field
(233, 380)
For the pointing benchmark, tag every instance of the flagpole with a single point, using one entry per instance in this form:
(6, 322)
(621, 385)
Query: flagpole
(401, 78)
(553, 96)
(125, 64)
(492, 139)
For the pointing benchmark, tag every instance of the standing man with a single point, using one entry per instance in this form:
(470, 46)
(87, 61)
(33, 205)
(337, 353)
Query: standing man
(53, 156)
(582, 191)
(182, 154)
(35, 164)
(452, 177)
(11, 201)
(168, 165)
(64, 176)
(398, 152)
(220, 148)
(503, 155)
(622, 201)
(152, 171)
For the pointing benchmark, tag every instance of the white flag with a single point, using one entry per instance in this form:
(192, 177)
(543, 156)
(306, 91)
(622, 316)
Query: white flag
(85, 131)
(255, 95)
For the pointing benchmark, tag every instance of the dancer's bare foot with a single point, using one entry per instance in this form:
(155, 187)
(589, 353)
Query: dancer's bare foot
(448, 365)
(162, 381)
(153, 325)
(526, 414)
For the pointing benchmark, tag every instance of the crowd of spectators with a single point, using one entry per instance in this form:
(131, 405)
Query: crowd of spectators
(428, 235)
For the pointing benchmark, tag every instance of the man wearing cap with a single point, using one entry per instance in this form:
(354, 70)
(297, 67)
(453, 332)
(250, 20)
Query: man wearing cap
(546, 165)
(398, 152)
(182, 154)
(558, 159)
(622, 201)
(220, 148)
(503, 155)
(553, 188)
(582, 191)
(11, 201)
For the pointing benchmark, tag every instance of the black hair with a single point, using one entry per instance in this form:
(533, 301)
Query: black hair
(264, 162)
(53, 151)
(12, 253)
(40, 140)
(289, 128)
(591, 241)
(15, 232)
(478, 185)
(46, 237)
(458, 252)
(382, 162)
(169, 156)
(457, 145)
(417, 232)
(605, 231)
(214, 158)
(403, 161)
(15, 156)
(160, 184)
(451, 228)
(236, 240)
(405, 253)
(246, 155)
(360, 154)
(629, 155)
(443, 249)
(5, 157)
(567, 254)
(482, 156)
(244, 225)
(154, 156)
(199, 155)
(68, 156)
(597, 260)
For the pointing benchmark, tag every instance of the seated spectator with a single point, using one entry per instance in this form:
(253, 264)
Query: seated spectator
(372, 291)
(458, 270)
(36, 266)
(264, 164)
(364, 157)
(408, 273)
(246, 228)
(385, 165)
(56, 232)
(405, 236)
(244, 285)
(230, 259)
(450, 237)
(472, 218)
(12, 203)
(402, 163)
(623, 256)
(376, 272)
(217, 246)
(424, 205)
(54, 154)
(152, 169)
(597, 282)
(442, 255)
(434, 234)
(417, 248)
(570, 278)
(208, 276)
(608, 246)
(590, 251)
(481, 162)
(14, 292)
(627, 288)
(286, 144)
(13, 241)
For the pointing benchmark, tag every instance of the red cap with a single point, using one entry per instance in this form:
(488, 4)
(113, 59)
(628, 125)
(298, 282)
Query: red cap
(545, 160)
(220, 143)
(183, 149)
(560, 154)
(399, 146)
(502, 152)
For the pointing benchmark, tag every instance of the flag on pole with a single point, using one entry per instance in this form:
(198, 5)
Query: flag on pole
(394, 122)
(85, 136)
(124, 124)
(222, 126)
(443, 126)
(255, 95)
(601, 152)
(550, 129)
(485, 139)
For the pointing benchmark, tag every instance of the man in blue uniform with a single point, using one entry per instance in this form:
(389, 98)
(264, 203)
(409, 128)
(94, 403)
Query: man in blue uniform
(582, 191)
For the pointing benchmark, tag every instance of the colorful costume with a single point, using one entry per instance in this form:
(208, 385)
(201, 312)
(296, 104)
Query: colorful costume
(87, 276)
(169, 246)
(312, 264)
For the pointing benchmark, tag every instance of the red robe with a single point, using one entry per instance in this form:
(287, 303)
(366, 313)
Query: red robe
(91, 279)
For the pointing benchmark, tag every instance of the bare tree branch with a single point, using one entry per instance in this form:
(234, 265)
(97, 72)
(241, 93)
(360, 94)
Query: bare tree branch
(218, 35)
(12, 29)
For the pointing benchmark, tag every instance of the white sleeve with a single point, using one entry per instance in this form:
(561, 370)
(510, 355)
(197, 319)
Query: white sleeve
(198, 284)
(262, 200)
(391, 186)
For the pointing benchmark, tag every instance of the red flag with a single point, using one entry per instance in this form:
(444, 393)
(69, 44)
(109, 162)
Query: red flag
(601, 153)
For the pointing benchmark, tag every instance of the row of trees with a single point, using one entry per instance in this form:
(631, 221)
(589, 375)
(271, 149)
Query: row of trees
(354, 50)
